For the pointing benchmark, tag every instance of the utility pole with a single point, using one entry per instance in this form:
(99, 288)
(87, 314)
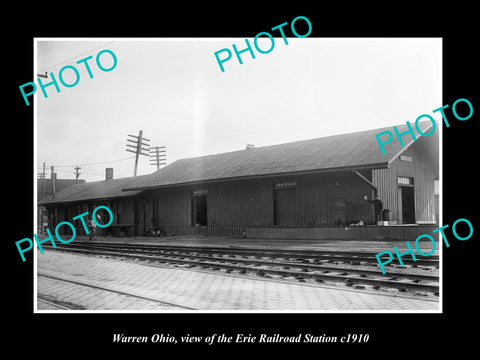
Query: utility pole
(138, 147)
(157, 156)
(43, 184)
(77, 174)
(53, 182)
(44, 175)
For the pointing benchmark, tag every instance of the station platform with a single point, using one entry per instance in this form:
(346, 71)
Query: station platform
(200, 291)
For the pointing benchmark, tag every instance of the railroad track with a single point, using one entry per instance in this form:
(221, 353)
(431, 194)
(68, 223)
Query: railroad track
(353, 269)
(312, 256)
(63, 306)
(52, 304)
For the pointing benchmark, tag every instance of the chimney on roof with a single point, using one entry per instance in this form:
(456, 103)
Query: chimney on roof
(249, 146)
(108, 174)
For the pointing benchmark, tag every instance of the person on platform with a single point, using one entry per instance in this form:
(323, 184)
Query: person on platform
(91, 228)
(341, 209)
(377, 207)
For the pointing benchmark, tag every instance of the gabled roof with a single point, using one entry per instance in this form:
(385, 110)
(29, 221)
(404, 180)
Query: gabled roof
(338, 152)
(96, 190)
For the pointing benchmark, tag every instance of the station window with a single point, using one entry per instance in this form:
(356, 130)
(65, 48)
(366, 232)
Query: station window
(285, 185)
(402, 180)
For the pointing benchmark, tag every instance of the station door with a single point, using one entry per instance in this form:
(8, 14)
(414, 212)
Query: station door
(284, 206)
(139, 218)
(199, 210)
(407, 204)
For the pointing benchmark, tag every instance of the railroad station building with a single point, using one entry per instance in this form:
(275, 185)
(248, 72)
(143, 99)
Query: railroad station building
(289, 191)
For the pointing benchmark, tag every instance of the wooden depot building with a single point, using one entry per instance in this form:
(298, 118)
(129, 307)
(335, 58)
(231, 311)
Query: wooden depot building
(287, 191)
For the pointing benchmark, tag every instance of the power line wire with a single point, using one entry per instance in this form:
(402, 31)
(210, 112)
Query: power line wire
(99, 163)
(73, 172)
(45, 68)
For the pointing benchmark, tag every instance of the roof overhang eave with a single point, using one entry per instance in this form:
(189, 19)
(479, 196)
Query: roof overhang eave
(58, 202)
(380, 165)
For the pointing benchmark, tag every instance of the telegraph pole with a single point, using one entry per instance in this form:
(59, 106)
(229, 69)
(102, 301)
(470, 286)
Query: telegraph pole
(138, 146)
(53, 182)
(44, 175)
(157, 156)
(43, 185)
(77, 174)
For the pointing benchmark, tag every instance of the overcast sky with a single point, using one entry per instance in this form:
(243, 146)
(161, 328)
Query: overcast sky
(174, 91)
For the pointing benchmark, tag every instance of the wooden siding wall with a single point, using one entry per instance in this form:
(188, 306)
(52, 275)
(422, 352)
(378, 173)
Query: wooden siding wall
(423, 172)
(173, 205)
(250, 202)
(228, 203)
(318, 194)
(122, 210)
(247, 202)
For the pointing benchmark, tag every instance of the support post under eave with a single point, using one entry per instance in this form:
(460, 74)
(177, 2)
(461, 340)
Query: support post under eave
(366, 180)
